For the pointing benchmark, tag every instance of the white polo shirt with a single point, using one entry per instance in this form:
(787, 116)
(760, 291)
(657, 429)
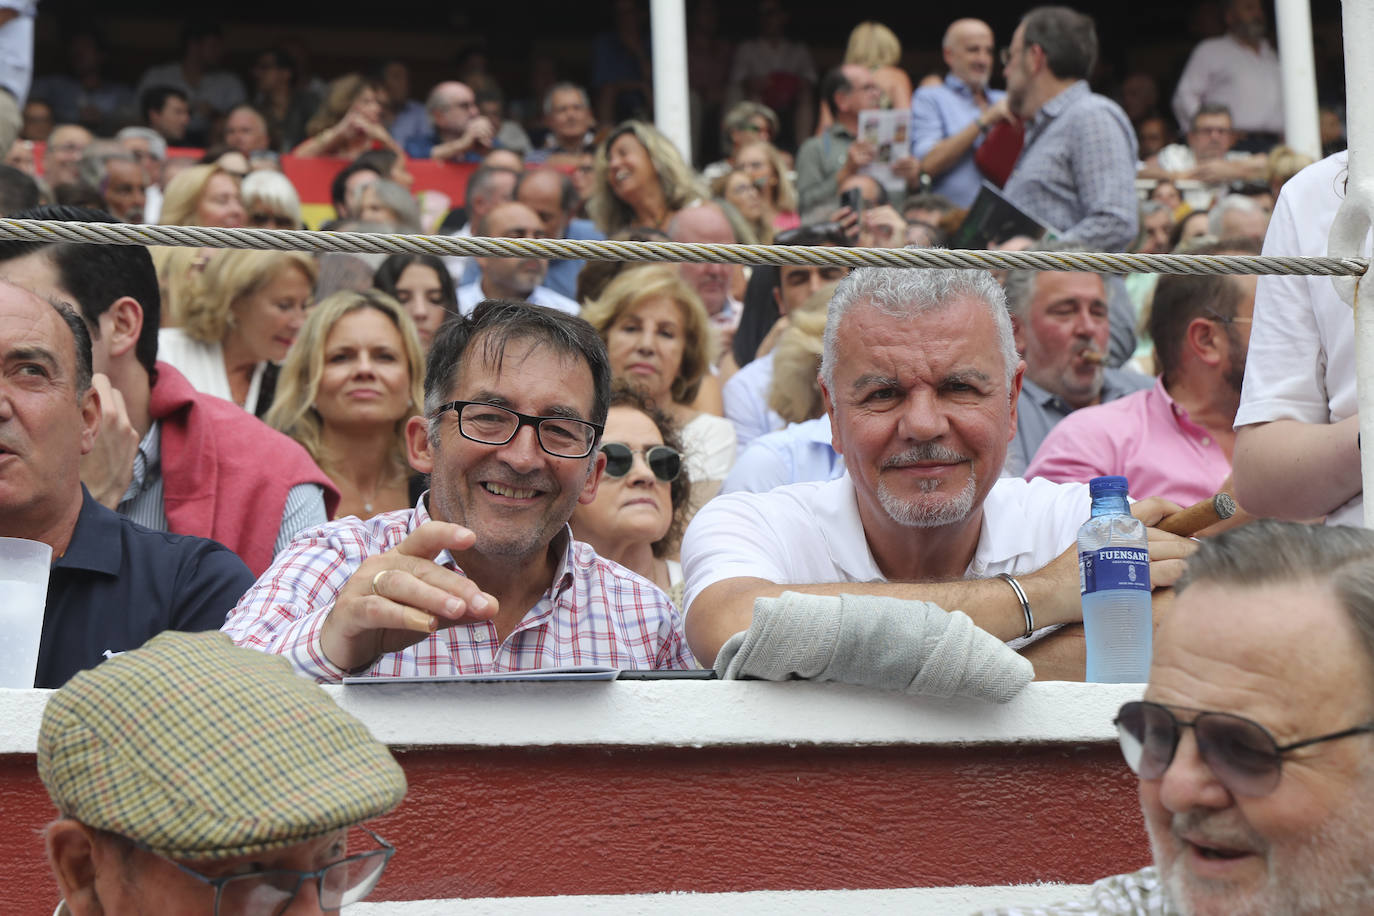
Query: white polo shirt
(809, 533)
(1302, 343)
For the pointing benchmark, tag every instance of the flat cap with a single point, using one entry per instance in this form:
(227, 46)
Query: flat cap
(199, 749)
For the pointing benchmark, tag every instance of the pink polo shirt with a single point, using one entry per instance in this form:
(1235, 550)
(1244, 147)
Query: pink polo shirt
(1146, 437)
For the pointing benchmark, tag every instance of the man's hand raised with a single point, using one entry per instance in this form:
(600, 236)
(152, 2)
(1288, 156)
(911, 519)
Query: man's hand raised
(398, 598)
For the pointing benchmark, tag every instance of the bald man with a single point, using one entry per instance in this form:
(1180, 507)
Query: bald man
(512, 278)
(551, 194)
(460, 133)
(949, 121)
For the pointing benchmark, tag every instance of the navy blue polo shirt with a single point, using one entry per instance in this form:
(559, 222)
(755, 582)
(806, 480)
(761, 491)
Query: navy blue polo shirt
(120, 584)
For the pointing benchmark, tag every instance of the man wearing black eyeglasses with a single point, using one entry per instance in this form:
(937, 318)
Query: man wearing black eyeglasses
(1253, 741)
(483, 574)
(191, 776)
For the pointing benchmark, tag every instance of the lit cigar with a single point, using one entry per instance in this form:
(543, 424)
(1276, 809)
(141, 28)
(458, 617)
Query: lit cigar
(1193, 519)
(1093, 356)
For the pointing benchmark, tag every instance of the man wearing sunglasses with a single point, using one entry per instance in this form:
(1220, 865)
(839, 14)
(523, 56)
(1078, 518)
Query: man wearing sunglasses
(482, 574)
(191, 776)
(1253, 742)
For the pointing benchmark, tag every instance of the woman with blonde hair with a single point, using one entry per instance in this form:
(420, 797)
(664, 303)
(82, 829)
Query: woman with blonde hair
(641, 180)
(239, 319)
(873, 45)
(659, 340)
(349, 121)
(737, 189)
(763, 163)
(347, 390)
(203, 195)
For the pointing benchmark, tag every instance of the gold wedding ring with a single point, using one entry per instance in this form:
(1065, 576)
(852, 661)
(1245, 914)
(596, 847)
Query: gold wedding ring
(375, 580)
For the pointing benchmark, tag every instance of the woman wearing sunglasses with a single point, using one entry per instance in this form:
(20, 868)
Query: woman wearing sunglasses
(639, 510)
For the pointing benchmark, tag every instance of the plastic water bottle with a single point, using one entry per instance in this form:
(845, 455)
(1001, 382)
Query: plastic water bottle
(1114, 577)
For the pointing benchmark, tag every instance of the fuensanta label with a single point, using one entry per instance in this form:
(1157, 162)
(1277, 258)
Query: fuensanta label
(1113, 567)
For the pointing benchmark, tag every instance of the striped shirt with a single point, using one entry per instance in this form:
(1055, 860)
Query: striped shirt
(595, 612)
(142, 501)
(1139, 893)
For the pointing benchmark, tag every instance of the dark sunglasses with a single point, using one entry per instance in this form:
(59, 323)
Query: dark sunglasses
(664, 462)
(1241, 753)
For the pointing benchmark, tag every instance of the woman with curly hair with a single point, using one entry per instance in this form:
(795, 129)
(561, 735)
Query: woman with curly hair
(641, 505)
(347, 390)
(641, 180)
(349, 122)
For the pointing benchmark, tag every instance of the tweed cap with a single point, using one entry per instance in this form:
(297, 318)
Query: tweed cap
(199, 749)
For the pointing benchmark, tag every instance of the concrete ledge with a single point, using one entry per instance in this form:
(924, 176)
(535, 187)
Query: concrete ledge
(685, 714)
(937, 901)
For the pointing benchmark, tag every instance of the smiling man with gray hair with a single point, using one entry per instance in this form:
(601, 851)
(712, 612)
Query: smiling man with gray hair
(920, 379)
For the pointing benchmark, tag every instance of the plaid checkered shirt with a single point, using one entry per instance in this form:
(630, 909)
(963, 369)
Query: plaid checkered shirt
(1139, 893)
(595, 612)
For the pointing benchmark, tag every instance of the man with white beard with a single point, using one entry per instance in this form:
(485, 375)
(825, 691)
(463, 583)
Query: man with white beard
(920, 378)
(1252, 743)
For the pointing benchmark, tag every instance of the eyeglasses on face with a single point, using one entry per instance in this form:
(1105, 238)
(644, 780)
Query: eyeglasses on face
(491, 424)
(1240, 752)
(664, 462)
(269, 893)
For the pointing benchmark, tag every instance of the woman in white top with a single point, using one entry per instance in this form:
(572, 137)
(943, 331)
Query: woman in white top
(640, 507)
(241, 316)
(659, 340)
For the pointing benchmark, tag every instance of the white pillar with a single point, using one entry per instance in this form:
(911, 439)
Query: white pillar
(668, 21)
(1351, 227)
(1294, 24)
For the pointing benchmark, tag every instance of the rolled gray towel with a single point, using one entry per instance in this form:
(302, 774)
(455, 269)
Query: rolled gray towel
(912, 646)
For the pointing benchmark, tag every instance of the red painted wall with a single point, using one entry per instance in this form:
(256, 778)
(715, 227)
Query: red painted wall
(517, 822)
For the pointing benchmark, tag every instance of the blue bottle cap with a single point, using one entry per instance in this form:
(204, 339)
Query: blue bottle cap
(1107, 486)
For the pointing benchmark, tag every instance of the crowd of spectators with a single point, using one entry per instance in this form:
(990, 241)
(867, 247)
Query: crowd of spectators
(720, 360)
(707, 442)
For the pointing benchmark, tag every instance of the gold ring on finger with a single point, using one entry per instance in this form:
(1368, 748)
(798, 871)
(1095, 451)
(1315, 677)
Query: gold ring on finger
(376, 580)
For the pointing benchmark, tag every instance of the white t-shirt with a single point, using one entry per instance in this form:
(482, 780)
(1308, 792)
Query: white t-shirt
(470, 295)
(709, 443)
(809, 533)
(1301, 364)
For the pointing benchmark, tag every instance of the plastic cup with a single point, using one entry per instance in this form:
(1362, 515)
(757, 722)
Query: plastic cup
(24, 568)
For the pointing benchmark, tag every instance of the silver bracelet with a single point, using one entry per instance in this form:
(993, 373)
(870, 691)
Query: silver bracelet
(1025, 602)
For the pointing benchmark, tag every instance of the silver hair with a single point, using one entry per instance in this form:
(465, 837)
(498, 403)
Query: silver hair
(565, 87)
(1020, 284)
(905, 292)
(157, 145)
(274, 191)
(1272, 552)
(1231, 203)
(396, 199)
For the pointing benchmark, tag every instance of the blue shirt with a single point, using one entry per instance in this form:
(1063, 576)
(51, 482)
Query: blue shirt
(938, 112)
(1077, 170)
(119, 584)
(793, 454)
(420, 148)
